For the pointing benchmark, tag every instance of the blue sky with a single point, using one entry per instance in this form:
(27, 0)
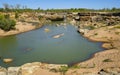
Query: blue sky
(44, 4)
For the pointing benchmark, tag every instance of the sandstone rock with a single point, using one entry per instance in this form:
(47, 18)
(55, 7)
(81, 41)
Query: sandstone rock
(14, 71)
(3, 71)
(83, 31)
(7, 60)
(58, 36)
(47, 30)
(29, 68)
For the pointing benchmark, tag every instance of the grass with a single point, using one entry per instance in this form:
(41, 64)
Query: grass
(75, 67)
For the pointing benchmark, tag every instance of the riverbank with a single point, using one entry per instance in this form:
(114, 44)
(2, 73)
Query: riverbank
(20, 28)
(108, 61)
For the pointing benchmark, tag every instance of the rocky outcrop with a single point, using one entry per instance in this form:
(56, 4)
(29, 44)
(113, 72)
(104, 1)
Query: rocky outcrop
(53, 17)
(34, 68)
(3, 71)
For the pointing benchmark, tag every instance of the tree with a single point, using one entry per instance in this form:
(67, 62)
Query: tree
(17, 6)
(6, 6)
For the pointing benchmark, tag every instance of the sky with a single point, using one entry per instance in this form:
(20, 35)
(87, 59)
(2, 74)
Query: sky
(63, 4)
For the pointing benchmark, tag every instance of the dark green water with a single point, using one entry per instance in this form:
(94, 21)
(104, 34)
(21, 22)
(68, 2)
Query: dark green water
(39, 46)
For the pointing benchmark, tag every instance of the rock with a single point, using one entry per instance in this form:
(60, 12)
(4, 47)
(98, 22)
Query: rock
(29, 68)
(107, 45)
(7, 60)
(3, 71)
(83, 31)
(54, 17)
(14, 71)
(58, 36)
(47, 30)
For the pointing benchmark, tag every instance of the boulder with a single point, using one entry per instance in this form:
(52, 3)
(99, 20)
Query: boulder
(7, 60)
(14, 71)
(58, 36)
(47, 30)
(3, 71)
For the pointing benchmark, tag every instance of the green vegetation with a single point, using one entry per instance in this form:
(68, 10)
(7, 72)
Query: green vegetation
(107, 60)
(75, 67)
(90, 27)
(19, 8)
(6, 23)
(63, 69)
(16, 15)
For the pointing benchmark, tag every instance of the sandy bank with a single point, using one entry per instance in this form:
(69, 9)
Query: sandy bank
(20, 28)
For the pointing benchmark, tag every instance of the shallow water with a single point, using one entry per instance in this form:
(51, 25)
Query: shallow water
(37, 45)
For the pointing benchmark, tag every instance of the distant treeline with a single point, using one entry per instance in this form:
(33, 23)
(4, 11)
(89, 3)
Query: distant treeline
(19, 8)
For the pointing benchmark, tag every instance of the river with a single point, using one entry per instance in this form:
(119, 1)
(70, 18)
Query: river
(40, 46)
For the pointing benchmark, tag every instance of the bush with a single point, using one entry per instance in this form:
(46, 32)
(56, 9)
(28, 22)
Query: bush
(7, 16)
(16, 15)
(6, 24)
(63, 69)
(75, 67)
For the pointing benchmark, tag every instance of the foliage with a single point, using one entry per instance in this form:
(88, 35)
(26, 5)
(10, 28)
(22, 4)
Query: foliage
(16, 15)
(7, 16)
(63, 69)
(40, 17)
(90, 27)
(17, 7)
(6, 24)
(75, 67)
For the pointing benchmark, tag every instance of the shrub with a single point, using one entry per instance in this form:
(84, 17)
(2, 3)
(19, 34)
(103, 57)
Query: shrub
(63, 69)
(75, 67)
(7, 16)
(6, 24)
(16, 15)
(2, 17)
(91, 27)
(40, 17)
